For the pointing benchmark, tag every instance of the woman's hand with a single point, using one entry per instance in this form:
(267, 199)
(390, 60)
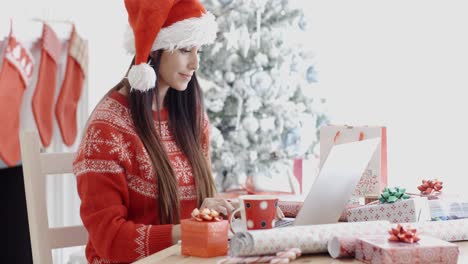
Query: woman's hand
(218, 204)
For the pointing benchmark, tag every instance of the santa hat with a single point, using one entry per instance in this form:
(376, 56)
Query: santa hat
(164, 24)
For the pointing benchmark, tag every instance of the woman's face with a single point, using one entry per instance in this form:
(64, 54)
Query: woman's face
(177, 67)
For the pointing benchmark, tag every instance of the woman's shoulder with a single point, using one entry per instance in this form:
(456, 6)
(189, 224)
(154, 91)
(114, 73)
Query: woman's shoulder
(113, 113)
(109, 131)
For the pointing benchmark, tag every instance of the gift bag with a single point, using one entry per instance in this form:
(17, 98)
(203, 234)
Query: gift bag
(374, 178)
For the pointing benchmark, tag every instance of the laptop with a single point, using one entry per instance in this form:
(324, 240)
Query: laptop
(335, 183)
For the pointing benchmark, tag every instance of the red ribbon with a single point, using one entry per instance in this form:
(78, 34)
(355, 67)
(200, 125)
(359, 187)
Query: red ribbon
(430, 186)
(400, 234)
(205, 214)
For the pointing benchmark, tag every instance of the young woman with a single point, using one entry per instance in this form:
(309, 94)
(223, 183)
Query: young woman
(143, 163)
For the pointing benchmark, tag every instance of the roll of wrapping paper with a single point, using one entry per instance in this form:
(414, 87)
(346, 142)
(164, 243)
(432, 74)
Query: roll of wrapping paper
(309, 238)
(342, 247)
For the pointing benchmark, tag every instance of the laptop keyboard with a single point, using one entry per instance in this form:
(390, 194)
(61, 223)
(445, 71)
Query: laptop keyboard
(284, 222)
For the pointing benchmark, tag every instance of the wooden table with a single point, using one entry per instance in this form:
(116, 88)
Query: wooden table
(172, 255)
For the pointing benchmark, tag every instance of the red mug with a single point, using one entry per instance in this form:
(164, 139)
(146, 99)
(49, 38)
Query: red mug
(257, 211)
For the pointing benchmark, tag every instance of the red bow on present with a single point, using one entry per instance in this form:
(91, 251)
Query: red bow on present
(400, 234)
(206, 215)
(428, 186)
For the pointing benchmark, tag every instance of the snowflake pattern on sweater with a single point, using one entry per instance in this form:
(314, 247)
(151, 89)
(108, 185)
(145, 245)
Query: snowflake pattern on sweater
(118, 186)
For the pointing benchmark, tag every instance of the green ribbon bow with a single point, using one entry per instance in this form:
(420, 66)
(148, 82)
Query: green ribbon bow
(391, 195)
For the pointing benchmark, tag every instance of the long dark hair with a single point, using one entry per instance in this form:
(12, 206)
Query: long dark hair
(185, 117)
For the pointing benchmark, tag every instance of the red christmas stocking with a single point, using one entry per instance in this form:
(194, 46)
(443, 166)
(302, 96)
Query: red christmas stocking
(15, 75)
(67, 102)
(43, 98)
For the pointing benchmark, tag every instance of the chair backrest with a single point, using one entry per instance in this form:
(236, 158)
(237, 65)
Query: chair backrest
(36, 167)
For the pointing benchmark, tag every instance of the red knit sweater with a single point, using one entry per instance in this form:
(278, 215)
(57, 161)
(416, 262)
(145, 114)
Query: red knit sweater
(116, 184)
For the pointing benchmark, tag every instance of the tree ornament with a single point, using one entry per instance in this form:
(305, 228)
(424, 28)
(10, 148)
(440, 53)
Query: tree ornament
(232, 38)
(244, 40)
(261, 82)
(253, 104)
(229, 76)
(261, 59)
(250, 124)
(302, 23)
(311, 74)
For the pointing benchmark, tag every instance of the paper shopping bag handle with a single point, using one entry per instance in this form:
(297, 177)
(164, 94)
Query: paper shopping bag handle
(361, 136)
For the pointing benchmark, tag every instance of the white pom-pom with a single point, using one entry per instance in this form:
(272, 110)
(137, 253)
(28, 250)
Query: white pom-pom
(142, 77)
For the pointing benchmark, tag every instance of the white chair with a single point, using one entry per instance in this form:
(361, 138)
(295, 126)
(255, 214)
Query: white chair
(36, 167)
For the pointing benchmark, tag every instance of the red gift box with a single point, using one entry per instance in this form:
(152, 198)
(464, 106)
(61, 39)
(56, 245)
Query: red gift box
(204, 239)
(380, 250)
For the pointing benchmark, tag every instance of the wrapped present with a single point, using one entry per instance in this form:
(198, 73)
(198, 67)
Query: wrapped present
(450, 230)
(402, 211)
(204, 235)
(378, 249)
(448, 209)
(374, 178)
(370, 198)
(342, 247)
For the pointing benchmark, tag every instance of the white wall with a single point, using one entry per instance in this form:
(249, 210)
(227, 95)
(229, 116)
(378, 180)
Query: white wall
(402, 64)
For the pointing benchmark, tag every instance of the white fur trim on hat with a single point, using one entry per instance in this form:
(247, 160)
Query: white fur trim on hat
(190, 32)
(142, 77)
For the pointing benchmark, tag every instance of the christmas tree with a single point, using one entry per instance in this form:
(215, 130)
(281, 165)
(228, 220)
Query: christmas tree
(260, 92)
